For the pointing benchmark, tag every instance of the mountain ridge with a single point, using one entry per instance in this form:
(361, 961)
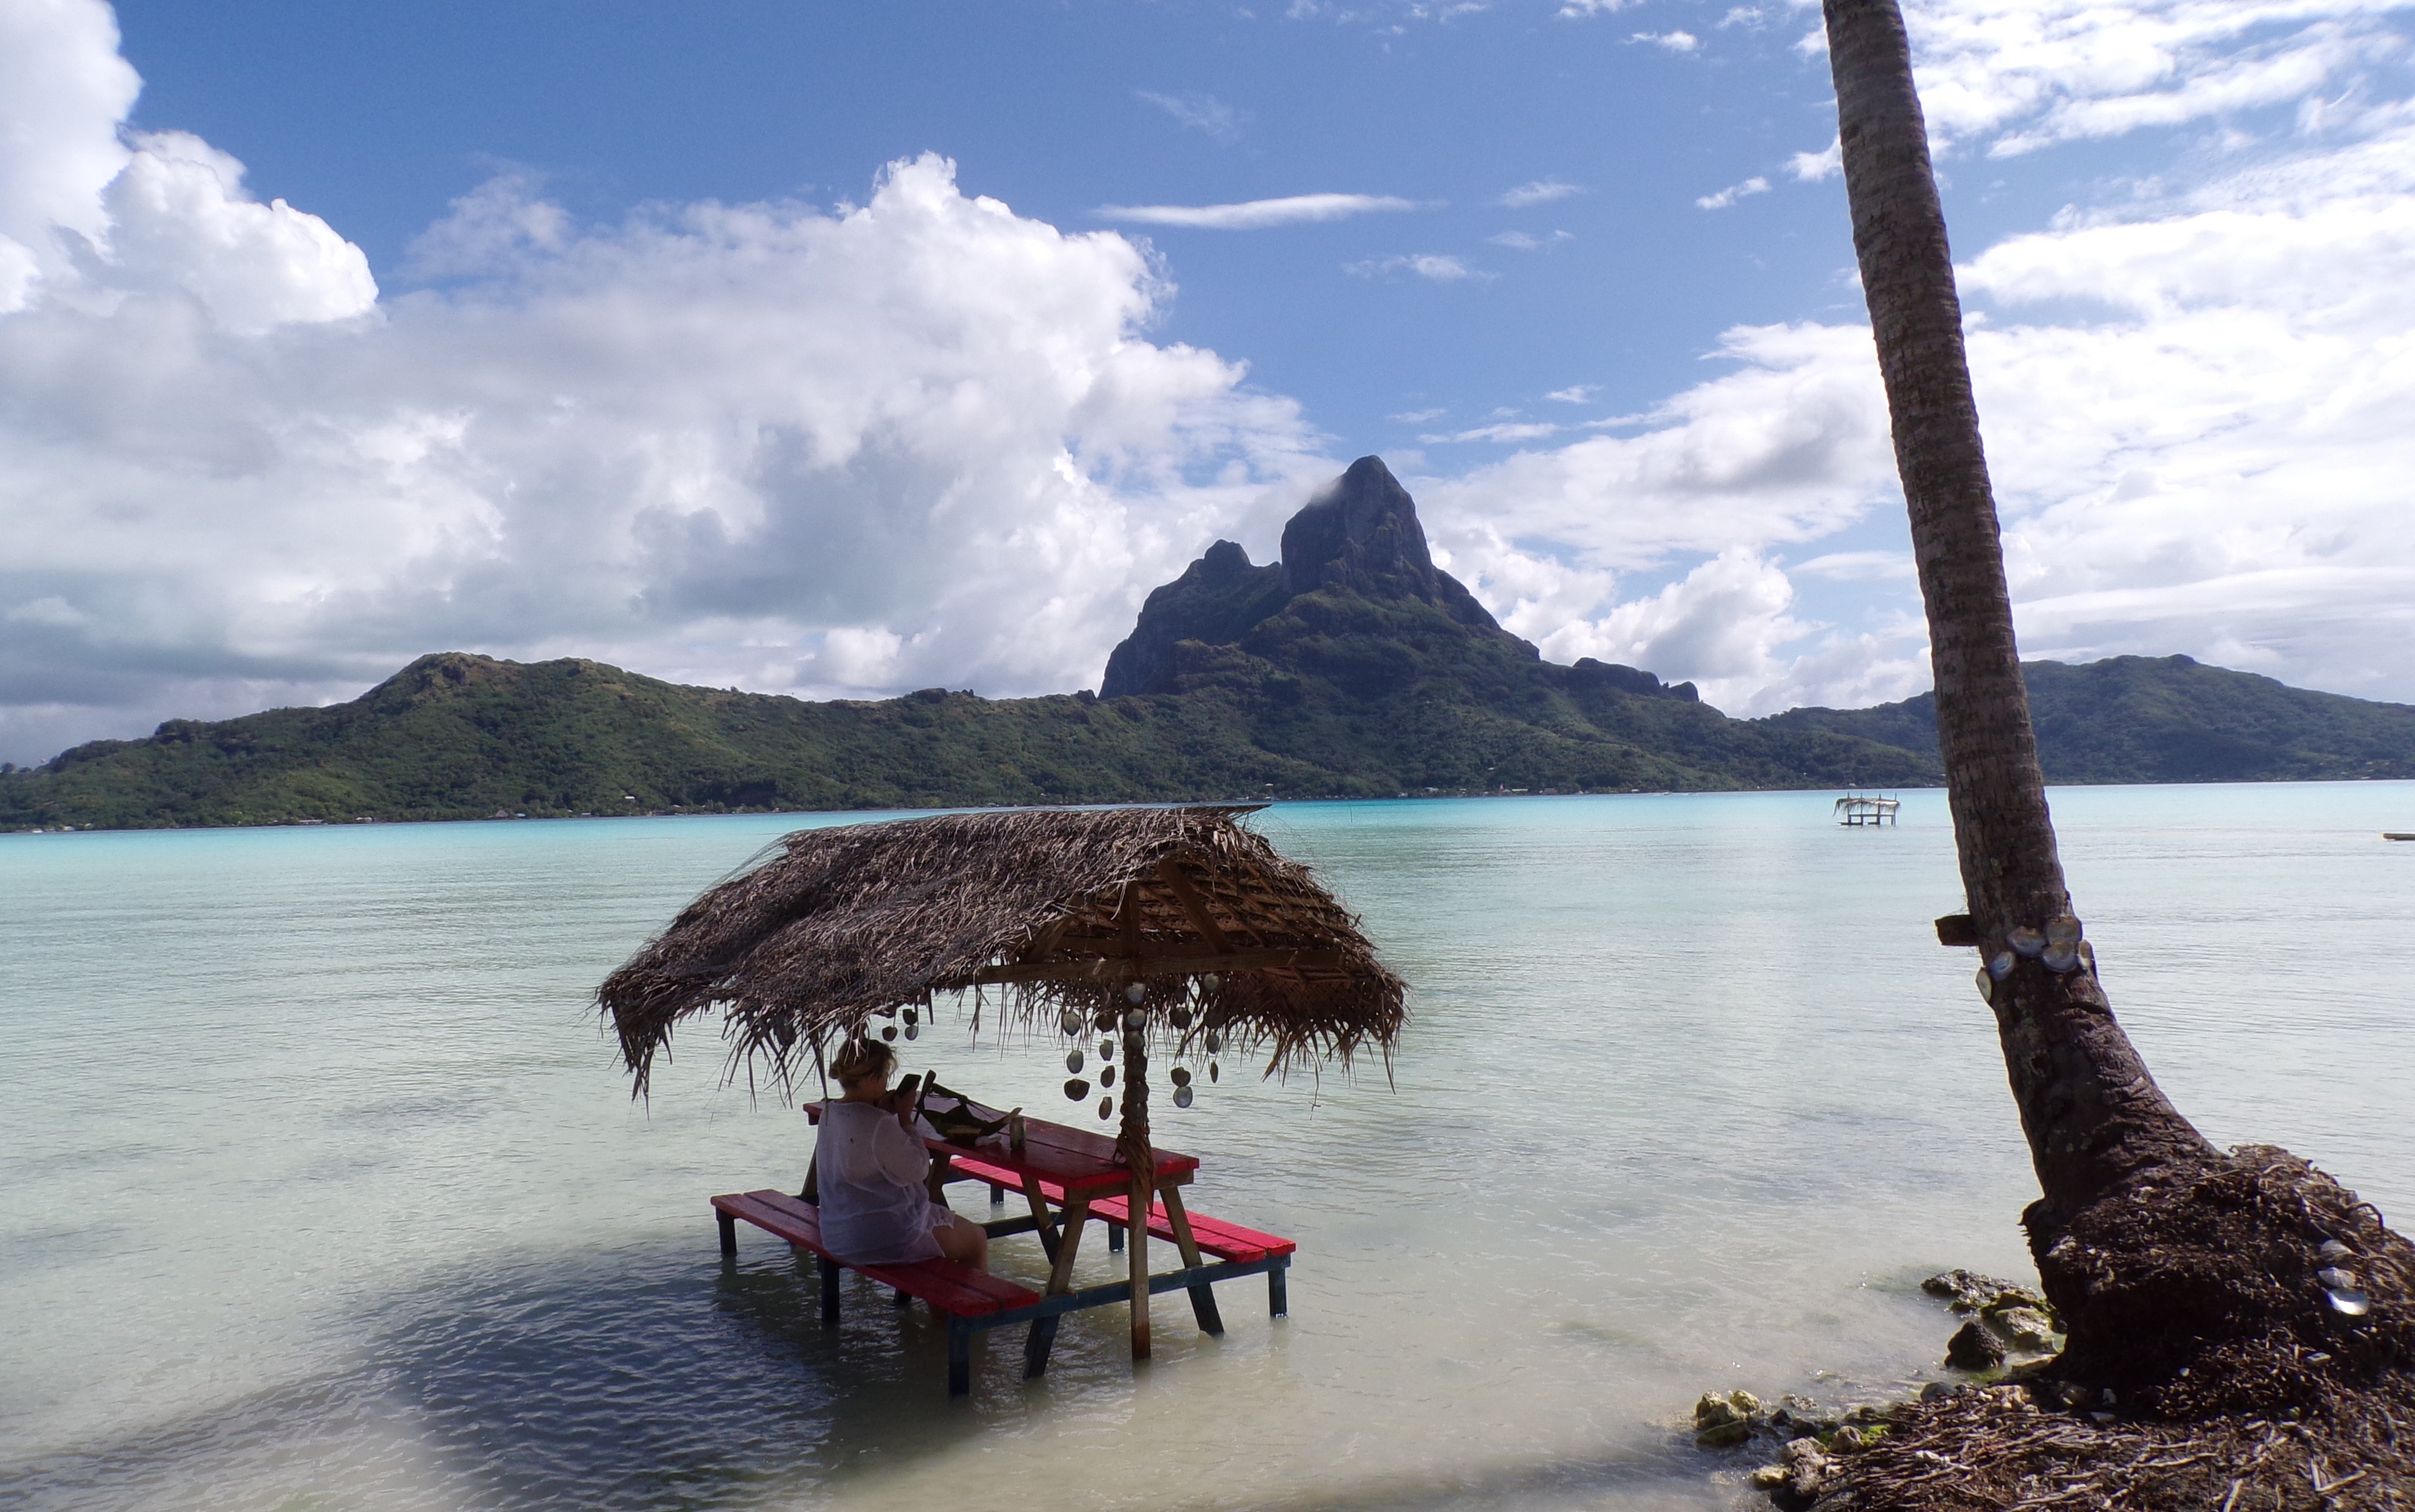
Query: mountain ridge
(1352, 667)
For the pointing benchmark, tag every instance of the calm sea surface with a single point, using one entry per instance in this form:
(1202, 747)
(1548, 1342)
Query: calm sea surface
(321, 1191)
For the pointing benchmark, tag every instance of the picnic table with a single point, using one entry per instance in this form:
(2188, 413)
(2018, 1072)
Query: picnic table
(1066, 1178)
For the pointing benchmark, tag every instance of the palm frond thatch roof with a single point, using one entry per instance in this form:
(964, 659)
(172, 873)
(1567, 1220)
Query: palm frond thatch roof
(1039, 910)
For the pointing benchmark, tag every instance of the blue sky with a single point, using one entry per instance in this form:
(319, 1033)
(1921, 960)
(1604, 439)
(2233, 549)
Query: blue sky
(652, 333)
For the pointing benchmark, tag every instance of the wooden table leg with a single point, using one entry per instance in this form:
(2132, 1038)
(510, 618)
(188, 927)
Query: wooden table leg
(1202, 1298)
(1043, 1336)
(1049, 1240)
(1136, 1241)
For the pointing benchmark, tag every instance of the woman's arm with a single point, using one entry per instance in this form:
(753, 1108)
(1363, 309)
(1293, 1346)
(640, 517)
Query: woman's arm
(899, 1154)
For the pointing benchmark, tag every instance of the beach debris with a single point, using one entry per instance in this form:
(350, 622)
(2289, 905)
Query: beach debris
(2350, 1303)
(1970, 1291)
(2337, 1279)
(2333, 1251)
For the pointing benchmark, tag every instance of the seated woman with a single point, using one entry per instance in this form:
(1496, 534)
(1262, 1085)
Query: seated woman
(872, 1167)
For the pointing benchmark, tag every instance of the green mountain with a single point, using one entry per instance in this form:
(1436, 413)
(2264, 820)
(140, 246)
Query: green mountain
(1353, 667)
(2140, 719)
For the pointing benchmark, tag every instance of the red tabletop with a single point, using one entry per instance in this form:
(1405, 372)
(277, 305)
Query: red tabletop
(1078, 1160)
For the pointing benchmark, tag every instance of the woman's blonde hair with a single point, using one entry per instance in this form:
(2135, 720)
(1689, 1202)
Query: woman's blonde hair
(858, 1059)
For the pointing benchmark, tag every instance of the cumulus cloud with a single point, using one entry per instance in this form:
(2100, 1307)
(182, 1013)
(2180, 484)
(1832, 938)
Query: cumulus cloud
(2195, 412)
(1670, 41)
(1257, 214)
(1518, 241)
(923, 440)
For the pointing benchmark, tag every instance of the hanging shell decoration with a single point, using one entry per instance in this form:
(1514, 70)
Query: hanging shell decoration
(1073, 1060)
(2026, 941)
(1214, 1041)
(2057, 956)
(913, 1030)
(1181, 1016)
(1211, 981)
(1070, 1022)
(1986, 984)
(1212, 1070)
(2001, 966)
(1107, 1049)
(1179, 1076)
(1076, 1089)
(1135, 994)
(1106, 1107)
(1182, 1096)
(888, 1032)
(909, 1015)
(1106, 1076)
(1137, 1018)
(1105, 1020)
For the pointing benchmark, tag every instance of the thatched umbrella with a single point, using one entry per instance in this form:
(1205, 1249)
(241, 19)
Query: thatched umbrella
(1172, 924)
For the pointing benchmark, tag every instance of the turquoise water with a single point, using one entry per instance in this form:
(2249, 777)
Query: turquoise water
(323, 1191)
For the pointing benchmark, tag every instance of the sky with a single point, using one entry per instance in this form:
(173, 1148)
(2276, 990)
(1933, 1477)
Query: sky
(844, 350)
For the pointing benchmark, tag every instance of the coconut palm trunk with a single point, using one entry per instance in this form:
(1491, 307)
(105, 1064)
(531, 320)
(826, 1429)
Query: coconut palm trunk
(2094, 1117)
(2196, 1281)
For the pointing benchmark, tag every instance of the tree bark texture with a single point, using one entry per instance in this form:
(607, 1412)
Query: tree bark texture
(2093, 1116)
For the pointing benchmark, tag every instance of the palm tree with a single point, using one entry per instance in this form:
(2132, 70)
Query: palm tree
(2128, 1182)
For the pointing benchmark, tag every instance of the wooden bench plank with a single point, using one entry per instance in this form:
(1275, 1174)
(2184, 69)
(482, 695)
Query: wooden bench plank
(948, 1286)
(1225, 1241)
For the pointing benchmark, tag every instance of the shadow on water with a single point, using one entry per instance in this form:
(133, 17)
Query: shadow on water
(648, 1378)
(657, 1378)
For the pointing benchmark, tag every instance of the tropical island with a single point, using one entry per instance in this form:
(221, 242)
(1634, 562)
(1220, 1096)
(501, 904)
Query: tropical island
(1352, 667)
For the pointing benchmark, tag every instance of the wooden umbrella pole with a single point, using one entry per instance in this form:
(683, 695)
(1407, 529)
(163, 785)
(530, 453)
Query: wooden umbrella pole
(1131, 1142)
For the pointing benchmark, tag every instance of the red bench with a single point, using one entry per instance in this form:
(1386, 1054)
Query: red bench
(1214, 1235)
(958, 1293)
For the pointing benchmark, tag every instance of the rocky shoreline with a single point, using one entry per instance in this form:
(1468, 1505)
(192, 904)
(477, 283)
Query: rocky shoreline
(2011, 1436)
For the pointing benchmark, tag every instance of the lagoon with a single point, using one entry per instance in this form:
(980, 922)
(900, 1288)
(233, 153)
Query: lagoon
(323, 1189)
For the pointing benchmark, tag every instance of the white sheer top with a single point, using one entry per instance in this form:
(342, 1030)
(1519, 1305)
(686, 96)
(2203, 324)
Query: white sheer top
(874, 1208)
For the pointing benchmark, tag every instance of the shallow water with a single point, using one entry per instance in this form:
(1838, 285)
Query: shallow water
(323, 1191)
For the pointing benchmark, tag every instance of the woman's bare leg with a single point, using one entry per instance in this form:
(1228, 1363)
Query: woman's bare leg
(963, 1241)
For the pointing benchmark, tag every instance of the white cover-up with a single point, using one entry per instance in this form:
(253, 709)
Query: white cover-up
(874, 1208)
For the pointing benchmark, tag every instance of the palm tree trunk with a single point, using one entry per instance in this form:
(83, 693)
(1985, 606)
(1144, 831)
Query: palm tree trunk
(2094, 1117)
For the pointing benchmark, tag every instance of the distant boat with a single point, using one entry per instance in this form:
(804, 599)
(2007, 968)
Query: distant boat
(1859, 810)
(2398, 835)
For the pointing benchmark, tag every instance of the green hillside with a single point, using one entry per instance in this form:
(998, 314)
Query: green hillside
(2139, 719)
(1353, 667)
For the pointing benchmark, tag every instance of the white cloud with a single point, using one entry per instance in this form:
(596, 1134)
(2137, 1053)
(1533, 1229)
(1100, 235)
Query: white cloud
(1579, 10)
(1811, 167)
(2196, 418)
(1201, 112)
(1257, 214)
(917, 442)
(1673, 41)
(2019, 74)
(1416, 417)
(1508, 430)
(1429, 265)
(1575, 394)
(1726, 196)
(1541, 191)
(1518, 241)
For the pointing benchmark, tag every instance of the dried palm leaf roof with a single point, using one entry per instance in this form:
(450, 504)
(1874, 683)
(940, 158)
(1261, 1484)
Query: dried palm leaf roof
(1056, 909)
